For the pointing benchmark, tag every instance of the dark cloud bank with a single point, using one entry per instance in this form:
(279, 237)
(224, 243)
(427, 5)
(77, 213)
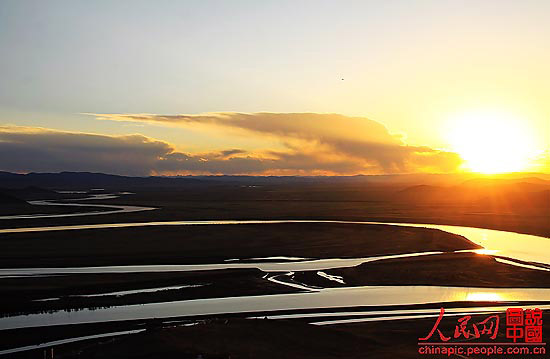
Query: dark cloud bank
(314, 144)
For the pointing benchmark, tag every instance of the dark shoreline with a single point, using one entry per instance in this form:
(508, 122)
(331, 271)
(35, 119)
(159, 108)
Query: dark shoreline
(19, 295)
(214, 244)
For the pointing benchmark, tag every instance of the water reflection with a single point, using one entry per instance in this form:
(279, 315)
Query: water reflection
(112, 209)
(486, 251)
(303, 265)
(524, 247)
(517, 246)
(324, 298)
(487, 297)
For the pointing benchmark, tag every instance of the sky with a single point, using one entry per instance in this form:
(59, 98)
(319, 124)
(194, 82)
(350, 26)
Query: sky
(274, 87)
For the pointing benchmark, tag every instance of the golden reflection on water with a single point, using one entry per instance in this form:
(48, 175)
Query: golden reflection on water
(486, 296)
(486, 251)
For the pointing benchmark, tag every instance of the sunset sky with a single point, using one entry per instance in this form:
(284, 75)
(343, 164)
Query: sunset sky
(275, 87)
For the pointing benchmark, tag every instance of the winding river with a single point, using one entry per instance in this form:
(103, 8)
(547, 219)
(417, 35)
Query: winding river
(104, 208)
(517, 246)
(325, 298)
(526, 248)
(511, 246)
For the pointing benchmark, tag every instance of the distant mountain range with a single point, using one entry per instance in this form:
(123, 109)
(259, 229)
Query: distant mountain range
(86, 180)
(413, 184)
(528, 191)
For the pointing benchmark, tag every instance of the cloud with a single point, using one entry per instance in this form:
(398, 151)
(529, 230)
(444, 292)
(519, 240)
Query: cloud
(31, 149)
(312, 144)
(366, 143)
(27, 149)
(291, 125)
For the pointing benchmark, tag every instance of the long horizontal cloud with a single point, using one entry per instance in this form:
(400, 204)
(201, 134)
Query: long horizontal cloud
(28, 149)
(312, 144)
(356, 139)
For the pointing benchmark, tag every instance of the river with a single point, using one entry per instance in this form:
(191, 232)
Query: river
(513, 246)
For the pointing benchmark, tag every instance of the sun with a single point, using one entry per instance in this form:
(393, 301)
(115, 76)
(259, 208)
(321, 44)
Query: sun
(491, 142)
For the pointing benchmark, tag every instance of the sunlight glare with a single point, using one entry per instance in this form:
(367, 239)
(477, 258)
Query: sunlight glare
(486, 251)
(491, 141)
(484, 296)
